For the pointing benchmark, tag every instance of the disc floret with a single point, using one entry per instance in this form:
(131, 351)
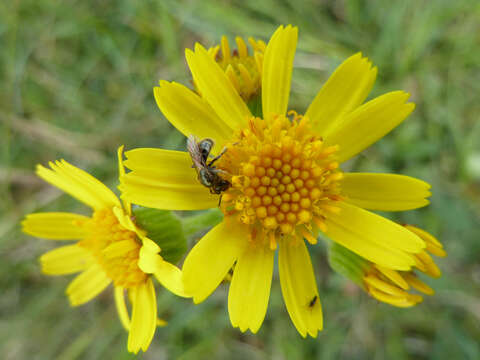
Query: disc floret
(114, 247)
(284, 179)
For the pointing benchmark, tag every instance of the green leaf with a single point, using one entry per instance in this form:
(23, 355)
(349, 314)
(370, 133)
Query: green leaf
(255, 105)
(201, 221)
(165, 229)
(347, 263)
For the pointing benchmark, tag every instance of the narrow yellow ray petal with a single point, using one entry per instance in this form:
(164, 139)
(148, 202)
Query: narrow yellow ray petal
(388, 192)
(54, 225)
(242, 47)
(277, 70)
(250, 287)
(211, 258)
(384, 286)
(79, 184)
(87, 285)
(122, 307)
(394, 276)
(121, 173)
(419, 284)
(164, 179)
(119, 248)
(167, 274)
(369, 123)
(161, 322)
(67, 259)
(346, 89)
(216, 89)
(373, 237)
(299, 287)
(404, 302)
(433, 245)
(191, 114)
(144, 318)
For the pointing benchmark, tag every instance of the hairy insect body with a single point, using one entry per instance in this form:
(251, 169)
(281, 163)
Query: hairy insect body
(208, 174)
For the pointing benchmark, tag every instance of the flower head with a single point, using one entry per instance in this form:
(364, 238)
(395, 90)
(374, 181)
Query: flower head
(287, 185)
(242, 68)
(110, 248)
(393, 287)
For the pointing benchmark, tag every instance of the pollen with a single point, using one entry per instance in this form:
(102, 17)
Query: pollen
(115, 248)
(243, 68)
(285, 180)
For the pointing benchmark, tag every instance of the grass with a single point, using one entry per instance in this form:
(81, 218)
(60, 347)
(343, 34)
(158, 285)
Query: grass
(76, 82)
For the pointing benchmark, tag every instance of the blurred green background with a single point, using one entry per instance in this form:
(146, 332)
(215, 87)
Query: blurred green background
(76, 82)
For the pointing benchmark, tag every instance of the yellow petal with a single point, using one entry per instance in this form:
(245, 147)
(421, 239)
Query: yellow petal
(277, 70)
(386, 192)
(122, 307)
(167, 274)
(394, 276)
(164, 179)
(191, 114)
(384, 286)
(121, 173)
(250, 287)
(345, 90)
(79, 184)
(373, 237)
(144, 317)
(161, 323)
(170, 277)
(419, 284)
(54, 225)
(369, 123)
(87, 285)
(66, 260)
(212, 257)
(404, 302)
(433, 245)
(299, 287)
(125, 220)
(119, 248)
(216, 88)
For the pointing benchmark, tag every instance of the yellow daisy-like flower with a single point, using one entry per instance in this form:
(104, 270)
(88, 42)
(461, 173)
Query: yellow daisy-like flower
(243, 70)
(392, 286)
(286, 184)
(110, 249)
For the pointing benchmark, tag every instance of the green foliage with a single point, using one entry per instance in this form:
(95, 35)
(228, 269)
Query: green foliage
(76, 82)
(165, 229)
(347, 263)
(201, 221)
(255, 105)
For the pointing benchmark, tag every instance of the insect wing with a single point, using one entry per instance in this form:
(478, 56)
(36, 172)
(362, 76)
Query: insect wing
(192, 147)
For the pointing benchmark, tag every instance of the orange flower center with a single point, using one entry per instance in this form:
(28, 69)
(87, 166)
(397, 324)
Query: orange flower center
(284, 179)
(115, 248)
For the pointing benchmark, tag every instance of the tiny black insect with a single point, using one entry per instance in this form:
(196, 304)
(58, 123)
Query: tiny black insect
(312, 302)
(208, 174)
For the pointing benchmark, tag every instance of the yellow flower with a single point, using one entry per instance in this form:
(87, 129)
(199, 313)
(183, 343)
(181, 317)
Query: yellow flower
(243, 70)
(286, 184)
(110, 248)
(391, 286)
(387, 285)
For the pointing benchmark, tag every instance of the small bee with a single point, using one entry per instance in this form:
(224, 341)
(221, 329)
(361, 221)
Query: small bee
(208, 174)
(312, 302)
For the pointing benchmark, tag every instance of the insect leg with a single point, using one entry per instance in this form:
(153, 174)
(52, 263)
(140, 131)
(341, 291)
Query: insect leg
(218, 156)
